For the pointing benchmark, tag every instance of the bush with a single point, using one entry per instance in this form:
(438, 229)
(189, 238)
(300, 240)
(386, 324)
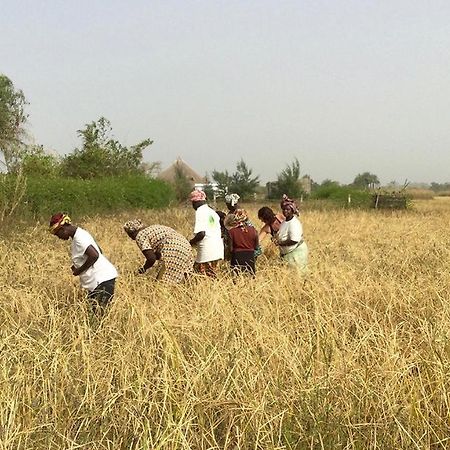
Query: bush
(102, 195)
(339, 194)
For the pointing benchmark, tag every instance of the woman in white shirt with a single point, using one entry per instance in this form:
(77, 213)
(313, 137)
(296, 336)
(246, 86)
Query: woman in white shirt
(207, 235)
(293, 248)
(96, 273)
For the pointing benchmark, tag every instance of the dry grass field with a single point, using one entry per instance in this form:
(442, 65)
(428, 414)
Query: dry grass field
(355, 357)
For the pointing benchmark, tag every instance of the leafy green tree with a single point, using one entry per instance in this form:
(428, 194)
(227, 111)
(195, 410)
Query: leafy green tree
(329, 183)
(36, 162)
(102, 155)
(439, 187)
(288, 182)
(12, 120)
(366, 180)
(243, 182)
(151, 169)
(223, 180)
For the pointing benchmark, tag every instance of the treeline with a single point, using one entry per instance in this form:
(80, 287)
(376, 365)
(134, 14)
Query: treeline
(440, 188)
(102, 175)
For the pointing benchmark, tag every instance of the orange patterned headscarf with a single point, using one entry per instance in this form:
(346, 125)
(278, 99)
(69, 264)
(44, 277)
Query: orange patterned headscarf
(57, 221)
(237, 219)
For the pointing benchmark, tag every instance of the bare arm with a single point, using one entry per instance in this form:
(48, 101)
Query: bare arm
(265, 230)
(197, 238)
(150, 259)
(92, 256)
(287, 243)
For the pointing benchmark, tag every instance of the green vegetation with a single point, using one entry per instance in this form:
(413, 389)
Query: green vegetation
(340, 195)
(366, 180)
(241, 182)
(102, 155)
(288, 182)
(43, 196)
(100, 177)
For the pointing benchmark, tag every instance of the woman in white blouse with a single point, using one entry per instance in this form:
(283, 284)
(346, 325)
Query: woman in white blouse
(293, 248)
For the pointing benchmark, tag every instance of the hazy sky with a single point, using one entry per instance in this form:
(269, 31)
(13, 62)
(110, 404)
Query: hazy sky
(346, 86)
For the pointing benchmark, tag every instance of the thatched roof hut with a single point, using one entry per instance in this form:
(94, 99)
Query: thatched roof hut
(169, 174)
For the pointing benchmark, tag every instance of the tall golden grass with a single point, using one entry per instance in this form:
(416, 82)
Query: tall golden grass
(355, 357)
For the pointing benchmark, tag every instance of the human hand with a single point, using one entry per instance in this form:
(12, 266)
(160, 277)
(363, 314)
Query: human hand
(75, 271)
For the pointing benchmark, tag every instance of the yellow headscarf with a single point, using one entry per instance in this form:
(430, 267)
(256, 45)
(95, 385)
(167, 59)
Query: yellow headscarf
(57, 221)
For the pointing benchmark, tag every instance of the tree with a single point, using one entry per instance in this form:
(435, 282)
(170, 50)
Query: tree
(36, 162)
(102, 155)
(242, 181)
(366, 180)
(12, 120)
(151, 169)
(288, 182)
(223, 180)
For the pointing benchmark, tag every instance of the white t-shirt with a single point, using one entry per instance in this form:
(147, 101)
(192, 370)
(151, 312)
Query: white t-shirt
(102, 270)
(210, 248)
(290, 229)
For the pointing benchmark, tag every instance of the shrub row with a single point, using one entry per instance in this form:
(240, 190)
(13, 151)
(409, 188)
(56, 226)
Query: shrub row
(44, 196)
(340, 195)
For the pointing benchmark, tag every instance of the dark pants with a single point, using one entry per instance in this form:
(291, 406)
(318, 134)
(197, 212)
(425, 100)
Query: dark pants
(102, 295)
(243, 262)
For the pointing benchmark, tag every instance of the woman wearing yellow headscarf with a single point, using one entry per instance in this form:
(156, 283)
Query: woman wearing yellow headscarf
(96, 273)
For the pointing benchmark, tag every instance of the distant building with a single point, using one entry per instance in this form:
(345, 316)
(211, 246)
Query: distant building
(169, 174)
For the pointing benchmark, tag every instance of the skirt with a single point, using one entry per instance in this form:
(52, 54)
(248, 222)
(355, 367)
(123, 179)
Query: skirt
(298, 258)
(243, 262)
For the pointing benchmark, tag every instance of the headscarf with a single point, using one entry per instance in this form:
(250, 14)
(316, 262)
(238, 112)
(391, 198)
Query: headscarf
(58, 220)
(133, 226)
(197, 196)
(232, 199)
(238, 218)
(286, 202)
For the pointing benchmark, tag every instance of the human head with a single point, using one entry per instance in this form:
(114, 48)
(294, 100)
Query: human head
(289, 207)
(266, 215)
(132, 228)
(61, 226)
(231, 200)
(236, 219)
(198, 198)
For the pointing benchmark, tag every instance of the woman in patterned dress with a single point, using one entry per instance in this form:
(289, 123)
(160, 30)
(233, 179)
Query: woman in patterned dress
(158, 242)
